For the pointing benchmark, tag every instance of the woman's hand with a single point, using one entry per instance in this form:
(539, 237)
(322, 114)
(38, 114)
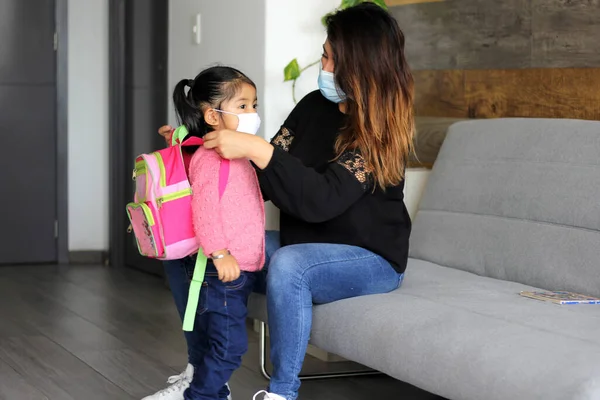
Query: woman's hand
(228, 268)
(233, 145)
(229, 144)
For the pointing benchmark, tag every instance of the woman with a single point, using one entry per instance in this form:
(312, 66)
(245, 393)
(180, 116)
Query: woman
(336, 171)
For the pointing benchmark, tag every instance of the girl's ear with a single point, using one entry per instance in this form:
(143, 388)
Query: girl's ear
(211, 117)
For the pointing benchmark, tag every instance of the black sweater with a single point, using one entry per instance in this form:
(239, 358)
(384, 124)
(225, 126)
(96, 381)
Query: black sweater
(331, 202)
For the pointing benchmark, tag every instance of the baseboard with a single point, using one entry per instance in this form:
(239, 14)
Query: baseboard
(88, 257)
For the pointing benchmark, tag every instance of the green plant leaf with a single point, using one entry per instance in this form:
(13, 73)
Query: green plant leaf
(381, 3)
(349, 3)
(291, 71)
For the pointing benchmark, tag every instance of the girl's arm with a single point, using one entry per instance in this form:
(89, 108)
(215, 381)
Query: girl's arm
(207, 212)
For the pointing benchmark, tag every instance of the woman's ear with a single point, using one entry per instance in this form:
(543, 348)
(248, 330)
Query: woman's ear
(211, 117)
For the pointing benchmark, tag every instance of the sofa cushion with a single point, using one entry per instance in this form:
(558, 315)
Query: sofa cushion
(516, 199)
(467, 337)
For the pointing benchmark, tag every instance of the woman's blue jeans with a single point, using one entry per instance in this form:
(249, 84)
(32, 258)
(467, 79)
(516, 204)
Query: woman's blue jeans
(299, 276)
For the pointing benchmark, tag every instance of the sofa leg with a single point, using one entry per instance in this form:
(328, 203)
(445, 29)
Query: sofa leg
(307, 377)
(262, 349)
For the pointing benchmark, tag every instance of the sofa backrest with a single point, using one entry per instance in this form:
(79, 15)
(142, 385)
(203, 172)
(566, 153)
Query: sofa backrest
(516, 199)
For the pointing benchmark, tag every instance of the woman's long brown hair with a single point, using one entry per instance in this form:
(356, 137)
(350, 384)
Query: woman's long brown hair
(370, 67)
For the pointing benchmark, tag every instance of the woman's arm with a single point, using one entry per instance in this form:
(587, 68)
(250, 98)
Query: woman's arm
(283, 139)
(231, 144)
(296, 189)
(310, 195)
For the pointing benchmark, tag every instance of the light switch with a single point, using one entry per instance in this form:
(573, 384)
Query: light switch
(197, 28)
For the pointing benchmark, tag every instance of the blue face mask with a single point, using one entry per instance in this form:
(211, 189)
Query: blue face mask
(329, 89)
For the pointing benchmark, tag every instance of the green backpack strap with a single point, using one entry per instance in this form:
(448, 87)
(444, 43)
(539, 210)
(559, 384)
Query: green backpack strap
(194, 295)
(201, 260)
(178, 135)
(200, 268)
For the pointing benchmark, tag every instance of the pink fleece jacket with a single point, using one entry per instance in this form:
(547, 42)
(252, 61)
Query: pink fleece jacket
(236, 221)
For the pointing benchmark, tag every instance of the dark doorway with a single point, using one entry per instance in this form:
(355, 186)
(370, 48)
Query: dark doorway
(28, 116)
(139, 101)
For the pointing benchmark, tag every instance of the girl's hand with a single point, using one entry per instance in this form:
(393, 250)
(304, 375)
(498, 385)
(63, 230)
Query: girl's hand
(228, 268)
(233, 145)
(166, 132)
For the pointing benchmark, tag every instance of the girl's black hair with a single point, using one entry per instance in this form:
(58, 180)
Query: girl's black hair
(209, 89)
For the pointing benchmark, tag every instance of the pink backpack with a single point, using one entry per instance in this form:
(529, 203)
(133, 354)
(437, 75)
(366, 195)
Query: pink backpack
(161, 212)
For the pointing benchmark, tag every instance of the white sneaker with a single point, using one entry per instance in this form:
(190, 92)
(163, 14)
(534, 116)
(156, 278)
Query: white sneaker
(177, 385)
(267, 396)
(229, 397)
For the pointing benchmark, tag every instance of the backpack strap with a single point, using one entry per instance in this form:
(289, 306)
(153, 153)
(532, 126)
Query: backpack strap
(178, 135)
(192, 141)
(223, 176)
(223, 169)
(194, 293)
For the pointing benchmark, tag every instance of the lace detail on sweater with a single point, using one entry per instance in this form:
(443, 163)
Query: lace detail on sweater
(355, 164)
(283, 139)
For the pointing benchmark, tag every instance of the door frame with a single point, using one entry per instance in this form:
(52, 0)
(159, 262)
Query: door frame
(120, 139)
(117, 130)
(62, 130)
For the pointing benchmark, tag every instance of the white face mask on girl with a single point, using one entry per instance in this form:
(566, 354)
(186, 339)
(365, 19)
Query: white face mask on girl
(247, 122)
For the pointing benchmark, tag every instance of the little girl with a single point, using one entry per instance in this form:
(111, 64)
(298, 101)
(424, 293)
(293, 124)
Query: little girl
(230, 229)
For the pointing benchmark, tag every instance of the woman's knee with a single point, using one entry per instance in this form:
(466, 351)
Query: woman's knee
(287, 264)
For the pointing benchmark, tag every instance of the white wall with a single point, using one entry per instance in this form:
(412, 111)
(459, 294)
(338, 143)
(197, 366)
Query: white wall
(293, 30)
(232, 33)
(88, 124)
(261, 38)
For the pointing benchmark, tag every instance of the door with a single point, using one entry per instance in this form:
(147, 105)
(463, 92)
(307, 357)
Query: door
(29, 140)
(146, 90)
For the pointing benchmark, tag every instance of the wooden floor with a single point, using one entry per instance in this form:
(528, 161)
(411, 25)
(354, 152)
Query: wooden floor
(95, 333)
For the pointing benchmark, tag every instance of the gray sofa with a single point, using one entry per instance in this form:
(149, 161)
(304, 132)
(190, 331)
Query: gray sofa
(511, 205)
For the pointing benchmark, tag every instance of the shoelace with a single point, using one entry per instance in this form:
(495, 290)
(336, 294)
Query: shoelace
(175, 382)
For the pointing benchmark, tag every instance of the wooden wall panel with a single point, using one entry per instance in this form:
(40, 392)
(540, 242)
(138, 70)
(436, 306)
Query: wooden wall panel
(431, 42)
(551, 93)
(493, 34)
(544, 92)
(566, 33)
(500, 58)
(473, 34)
(431, 132)
(440, 93)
